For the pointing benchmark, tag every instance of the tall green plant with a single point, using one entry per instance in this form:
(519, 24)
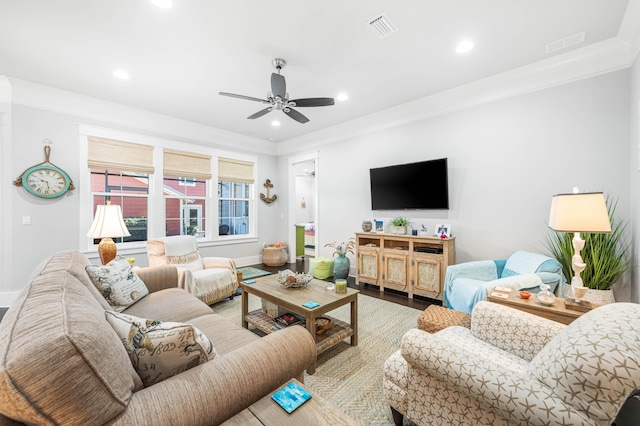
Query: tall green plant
(606, 255)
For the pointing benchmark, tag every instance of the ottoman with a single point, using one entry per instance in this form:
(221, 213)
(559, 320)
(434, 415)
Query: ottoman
(321, 267)
(435, 318)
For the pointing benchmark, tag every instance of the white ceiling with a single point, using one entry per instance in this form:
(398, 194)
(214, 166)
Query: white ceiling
(180, 58)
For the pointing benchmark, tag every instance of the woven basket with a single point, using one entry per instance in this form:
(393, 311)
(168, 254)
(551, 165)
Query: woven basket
(274, 256)
(436, 318)
(601, 297)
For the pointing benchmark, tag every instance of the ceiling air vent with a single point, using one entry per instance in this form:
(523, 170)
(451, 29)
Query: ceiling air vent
(381, 25)
(564, 43)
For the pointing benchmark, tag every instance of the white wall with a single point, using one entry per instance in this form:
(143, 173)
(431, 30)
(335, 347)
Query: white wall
(304, 191)
(634, 170)
(506, 159)
(54, 223)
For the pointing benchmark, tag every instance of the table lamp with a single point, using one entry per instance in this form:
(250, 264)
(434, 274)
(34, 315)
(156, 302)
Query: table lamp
(108, 224)
(579, 212)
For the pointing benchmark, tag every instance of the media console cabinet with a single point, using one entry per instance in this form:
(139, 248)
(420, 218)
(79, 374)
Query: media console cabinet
(408, 263)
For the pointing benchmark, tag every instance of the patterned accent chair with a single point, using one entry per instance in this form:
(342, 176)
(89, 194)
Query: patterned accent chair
(465, 284)
(210, 279)
(514, 368)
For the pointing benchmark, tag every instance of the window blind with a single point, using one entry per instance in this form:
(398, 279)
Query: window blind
(231, 170)
(109, 154)
(187, 164)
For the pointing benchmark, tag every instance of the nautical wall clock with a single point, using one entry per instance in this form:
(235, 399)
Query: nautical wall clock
(45, 180)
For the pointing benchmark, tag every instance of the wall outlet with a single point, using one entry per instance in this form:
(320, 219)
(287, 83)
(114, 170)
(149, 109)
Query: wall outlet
(26, 220)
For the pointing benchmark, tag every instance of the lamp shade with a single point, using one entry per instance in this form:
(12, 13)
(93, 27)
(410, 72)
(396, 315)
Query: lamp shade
(582, 212)
(108, 223)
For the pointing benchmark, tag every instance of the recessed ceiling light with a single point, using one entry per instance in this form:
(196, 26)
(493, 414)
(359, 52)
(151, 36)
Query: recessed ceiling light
(275, 123)
(342, 97)
(464, 46)
(165, 4)
(121, 74)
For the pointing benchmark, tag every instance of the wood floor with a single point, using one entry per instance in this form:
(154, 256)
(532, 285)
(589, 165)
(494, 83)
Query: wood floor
(302, 265)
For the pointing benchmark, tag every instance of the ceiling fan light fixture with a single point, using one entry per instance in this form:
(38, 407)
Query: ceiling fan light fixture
(342, 97)
(275, 123)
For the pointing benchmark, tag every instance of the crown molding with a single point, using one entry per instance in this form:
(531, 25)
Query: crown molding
(630, 27)
(109, 113)
(595, 59)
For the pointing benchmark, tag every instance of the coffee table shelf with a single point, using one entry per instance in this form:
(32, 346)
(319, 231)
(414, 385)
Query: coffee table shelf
(340, 331)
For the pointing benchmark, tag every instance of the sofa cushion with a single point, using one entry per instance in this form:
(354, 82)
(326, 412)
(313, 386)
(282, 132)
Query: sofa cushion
(592, 364)
(171, 304)
(74, 263)
(54, 341)
(225, 335)
(159, 350)
(117, 283)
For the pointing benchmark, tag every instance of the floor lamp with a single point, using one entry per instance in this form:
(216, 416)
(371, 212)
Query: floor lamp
(107, 224)
(579, 212)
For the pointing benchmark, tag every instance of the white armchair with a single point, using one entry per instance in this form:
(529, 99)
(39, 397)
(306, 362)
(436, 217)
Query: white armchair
(515, 368)
(208, 278)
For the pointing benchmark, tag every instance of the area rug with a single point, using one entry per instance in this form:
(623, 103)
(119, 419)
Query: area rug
(248, 272)
(350, 378)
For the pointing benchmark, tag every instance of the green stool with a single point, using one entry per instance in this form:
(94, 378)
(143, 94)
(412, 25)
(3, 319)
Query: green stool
(321, 267)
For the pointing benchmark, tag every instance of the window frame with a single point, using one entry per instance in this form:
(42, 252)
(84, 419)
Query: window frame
(156, 198)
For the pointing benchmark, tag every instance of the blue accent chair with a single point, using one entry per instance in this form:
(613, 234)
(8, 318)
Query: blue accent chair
(468, 283)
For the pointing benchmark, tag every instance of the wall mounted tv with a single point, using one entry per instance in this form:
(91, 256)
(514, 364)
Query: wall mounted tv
(422, 185)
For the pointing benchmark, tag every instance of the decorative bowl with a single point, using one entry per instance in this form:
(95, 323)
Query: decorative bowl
(525, 294)
(291, 279)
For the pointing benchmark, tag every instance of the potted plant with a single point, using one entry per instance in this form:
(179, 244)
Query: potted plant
(341, 264)
(606, 256)
(398, 225)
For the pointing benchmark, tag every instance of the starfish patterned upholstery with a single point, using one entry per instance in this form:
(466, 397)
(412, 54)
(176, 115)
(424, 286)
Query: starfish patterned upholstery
(514, 368)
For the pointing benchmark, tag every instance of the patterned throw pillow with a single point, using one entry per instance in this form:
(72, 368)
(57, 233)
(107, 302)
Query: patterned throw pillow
(159, 350)
(117, 283)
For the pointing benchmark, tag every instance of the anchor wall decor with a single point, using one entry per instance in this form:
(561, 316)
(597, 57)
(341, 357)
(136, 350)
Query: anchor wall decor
(268, 199)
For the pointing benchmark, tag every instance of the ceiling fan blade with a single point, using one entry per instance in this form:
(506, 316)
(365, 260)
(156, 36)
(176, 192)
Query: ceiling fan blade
(313, 102)
(295, 115)
(260, 113)
(278, 85)
(249, 98)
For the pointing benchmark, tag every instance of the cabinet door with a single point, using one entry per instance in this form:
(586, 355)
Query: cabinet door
(426, 273)
(395, 270)
(368, 265)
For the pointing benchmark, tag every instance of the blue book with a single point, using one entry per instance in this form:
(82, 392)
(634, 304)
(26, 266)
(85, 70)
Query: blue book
(291, 397)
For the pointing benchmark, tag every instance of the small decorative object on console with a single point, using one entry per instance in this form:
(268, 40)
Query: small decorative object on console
(525, 294)
(545, 296)
(367, 226)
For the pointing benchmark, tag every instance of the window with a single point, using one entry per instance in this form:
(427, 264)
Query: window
(164, 191)
(185, 204)
(184, 207)
(119, 173)
(235, 186)
(186, 181)
(130, 191)
(233, 211)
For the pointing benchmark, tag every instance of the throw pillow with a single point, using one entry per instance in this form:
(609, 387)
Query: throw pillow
(159, 350)
(117, 283)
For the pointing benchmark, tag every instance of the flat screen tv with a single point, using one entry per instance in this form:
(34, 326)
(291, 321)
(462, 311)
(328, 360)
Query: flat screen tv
(422, 185)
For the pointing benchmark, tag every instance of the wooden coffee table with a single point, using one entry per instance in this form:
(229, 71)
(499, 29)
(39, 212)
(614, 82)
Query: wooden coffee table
(556, 312)
(291, 299)
(315, 411)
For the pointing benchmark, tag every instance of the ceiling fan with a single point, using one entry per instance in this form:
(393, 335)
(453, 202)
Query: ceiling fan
(278, 98)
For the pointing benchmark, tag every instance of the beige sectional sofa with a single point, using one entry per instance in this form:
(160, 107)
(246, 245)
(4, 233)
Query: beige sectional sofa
(62, 363)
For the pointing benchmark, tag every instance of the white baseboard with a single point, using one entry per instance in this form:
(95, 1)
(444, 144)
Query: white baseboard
(250, 260)
(7, 298)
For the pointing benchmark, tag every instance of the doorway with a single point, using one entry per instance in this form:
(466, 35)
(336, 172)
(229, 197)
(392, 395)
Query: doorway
(303, 206)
